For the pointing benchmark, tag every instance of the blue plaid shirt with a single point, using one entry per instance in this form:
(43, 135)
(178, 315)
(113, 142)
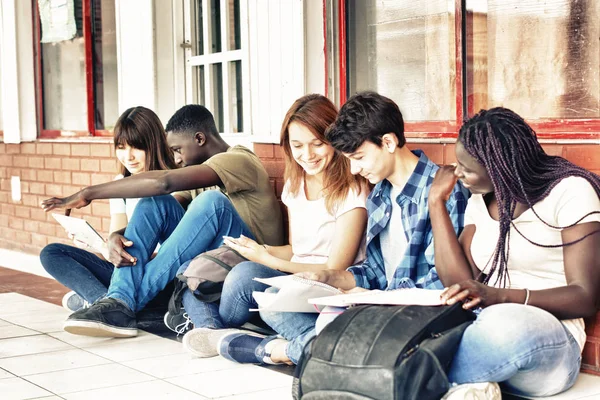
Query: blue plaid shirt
(417, 266)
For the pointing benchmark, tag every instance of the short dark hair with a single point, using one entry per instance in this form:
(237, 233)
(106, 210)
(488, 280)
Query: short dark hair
(192, 118)
(366, 116)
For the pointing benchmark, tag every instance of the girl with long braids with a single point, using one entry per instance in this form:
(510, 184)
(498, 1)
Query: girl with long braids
(528, 259)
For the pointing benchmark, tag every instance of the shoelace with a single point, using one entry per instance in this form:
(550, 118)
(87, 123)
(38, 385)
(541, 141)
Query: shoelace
(183, 327)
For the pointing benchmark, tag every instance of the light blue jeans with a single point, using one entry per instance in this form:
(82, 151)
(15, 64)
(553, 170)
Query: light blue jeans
(525, 348)
(182, 236)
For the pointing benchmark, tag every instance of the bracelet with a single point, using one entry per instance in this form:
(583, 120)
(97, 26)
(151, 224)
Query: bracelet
(526, 297)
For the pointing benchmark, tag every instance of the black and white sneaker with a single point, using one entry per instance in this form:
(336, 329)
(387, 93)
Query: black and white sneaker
(179, 323)
(105, 318)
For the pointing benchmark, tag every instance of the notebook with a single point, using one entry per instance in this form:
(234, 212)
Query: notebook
(293, 294)
(413, 296)
(81, 230)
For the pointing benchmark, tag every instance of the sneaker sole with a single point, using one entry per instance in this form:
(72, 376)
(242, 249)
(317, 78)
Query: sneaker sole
(98, 329)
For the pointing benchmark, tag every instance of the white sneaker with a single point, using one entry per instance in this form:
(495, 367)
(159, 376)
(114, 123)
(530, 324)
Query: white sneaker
(202, 342)
(474, 391)
(74, 302)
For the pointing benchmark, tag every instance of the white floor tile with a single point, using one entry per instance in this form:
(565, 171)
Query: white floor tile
(47, 398)
(5, 374)
(90, 341)
(30, 345)
(12, 298)
(180, 365)
(18, 389)
(3, 322)
(11, 331)
(28, 307)
(49, 362)
(233, 382)
(124, 350)
(154, 390)
(274, 394)
(48, 321)
(77, 380)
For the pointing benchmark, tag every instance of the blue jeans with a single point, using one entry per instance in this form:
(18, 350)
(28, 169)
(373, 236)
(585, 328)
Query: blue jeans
(79, 270)
(236, 298)
(524, 347)
(182, 236)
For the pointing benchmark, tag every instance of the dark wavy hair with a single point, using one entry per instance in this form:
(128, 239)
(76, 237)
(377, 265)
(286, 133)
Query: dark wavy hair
(140, 127)
(316, 113)
(520, 171)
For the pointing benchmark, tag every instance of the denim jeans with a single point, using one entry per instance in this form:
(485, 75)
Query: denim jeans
(182, 236)
(524, 347)
(236, 299)
(79, 270)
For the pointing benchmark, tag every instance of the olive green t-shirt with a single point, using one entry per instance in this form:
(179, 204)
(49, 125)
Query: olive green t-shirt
(247, 185)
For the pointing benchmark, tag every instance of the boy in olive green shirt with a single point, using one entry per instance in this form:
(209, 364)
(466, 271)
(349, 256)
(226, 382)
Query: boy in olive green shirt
(247, 206)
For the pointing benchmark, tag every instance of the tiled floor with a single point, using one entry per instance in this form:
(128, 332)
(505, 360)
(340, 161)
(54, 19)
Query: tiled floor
(39, 360)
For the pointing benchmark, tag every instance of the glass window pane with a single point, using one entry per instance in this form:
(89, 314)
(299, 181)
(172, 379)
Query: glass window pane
(404, 49)
(235, 39)
(215, 26)
(63, 81)
(235, 97)
(541, 59)
(105, 64)
(198, 92)
(217, 93)
(198, 28)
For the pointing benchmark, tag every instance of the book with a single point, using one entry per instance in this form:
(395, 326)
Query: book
(81, 230)
(413, 296)
(293, 294)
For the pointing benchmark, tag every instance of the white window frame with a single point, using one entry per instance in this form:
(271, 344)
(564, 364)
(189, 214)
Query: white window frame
(224, 57)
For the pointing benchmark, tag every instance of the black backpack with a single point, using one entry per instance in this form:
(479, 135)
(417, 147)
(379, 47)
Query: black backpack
(382, 352)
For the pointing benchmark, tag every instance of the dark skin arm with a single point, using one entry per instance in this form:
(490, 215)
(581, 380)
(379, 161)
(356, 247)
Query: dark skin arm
(145, 184)
(579, 298)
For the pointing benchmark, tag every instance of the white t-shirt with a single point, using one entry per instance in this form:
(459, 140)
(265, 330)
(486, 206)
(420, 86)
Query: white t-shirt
(312, 227)
(122, 206)
(534, 267)
(392, 239)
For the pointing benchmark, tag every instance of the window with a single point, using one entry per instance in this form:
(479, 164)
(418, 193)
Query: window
(444, 60)
(1, 95)
(216, 60)
(77, 79)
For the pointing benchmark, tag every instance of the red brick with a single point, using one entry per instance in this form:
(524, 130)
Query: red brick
(279, 186)
(44, 148)
(586, 156)
(80, 149)
(590, 354)
(100, 150)
(31, 226)
(71, 164)
(70, 189)
(7, 234)
(88, 164)
(4, 220)
(28, 148)
(278, 152)
(38, 214)
(28, 174)
(3, 172)
(23, 237)
(22, 212)
(30, 200)
(101, 178)
(24, 187)
(38, 240)
(51, 163)
(434, 151)
(37, 188)
(96, 222)
(62, 176)
(4, 197)
(16, 223)
(449, 153)
(100, 209)
(6, 160)
(54, 190)
(21, 161)
(2, 148)
(12, 148)
(274, 168)
(81, 178)
(106, 224)
(61, 149)
(5, 184)
(264, 151)
(553, 149)
(47, 228)
(7, 209)
(109, 166)
(45, 176)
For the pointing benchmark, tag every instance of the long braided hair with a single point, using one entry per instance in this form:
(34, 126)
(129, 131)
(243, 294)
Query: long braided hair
(520, 171)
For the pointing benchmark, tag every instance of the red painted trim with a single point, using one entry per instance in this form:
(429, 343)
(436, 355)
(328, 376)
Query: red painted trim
(88, 41)
(37, 45)
(342, 49)
(326, 65)
(458, 58)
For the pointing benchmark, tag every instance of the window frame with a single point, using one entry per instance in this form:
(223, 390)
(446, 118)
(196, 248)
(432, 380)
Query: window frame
(224, 57)
(548, 129)
(88, 41)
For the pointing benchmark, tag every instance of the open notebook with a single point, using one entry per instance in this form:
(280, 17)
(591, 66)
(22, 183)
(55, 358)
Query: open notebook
(293, 294)
(413, 296)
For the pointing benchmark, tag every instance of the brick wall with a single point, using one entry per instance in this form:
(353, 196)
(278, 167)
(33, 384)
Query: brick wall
(46, 170)
(57, 168)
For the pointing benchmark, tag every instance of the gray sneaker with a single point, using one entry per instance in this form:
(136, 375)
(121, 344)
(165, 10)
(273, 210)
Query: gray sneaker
(74, 302)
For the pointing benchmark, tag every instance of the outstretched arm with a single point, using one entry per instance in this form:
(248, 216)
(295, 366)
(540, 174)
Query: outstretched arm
(145, 184)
